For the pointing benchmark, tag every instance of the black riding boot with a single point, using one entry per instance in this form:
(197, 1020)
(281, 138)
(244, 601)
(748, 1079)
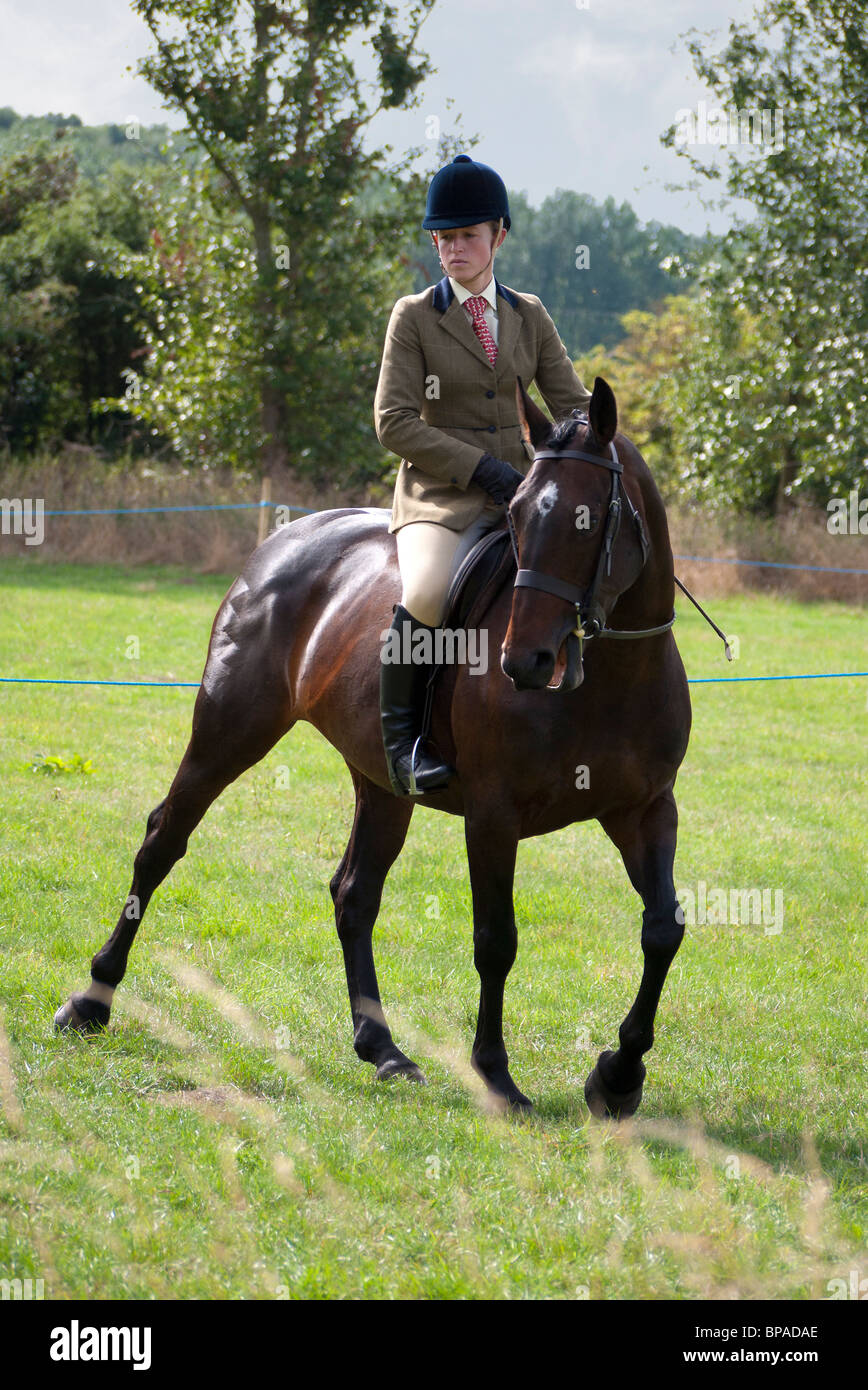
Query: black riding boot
(402, 702)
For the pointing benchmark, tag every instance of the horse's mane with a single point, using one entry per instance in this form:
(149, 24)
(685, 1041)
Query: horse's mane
(563, 431)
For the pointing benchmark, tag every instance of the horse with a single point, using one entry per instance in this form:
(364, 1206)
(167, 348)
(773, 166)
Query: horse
(296, 638)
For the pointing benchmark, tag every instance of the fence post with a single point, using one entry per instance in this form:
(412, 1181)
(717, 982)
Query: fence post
(264, 511)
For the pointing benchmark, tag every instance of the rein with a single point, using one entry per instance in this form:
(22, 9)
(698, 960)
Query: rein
(588, 623)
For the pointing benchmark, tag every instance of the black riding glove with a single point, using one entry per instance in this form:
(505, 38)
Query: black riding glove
(496, 477)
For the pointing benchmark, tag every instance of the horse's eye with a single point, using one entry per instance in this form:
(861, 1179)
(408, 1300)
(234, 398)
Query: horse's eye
(587, 518)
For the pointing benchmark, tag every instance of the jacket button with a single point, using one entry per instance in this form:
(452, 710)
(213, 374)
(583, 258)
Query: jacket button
(492, 429)
(490, 395)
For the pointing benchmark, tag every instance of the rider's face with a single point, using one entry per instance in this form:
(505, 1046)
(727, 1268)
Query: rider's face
(466, 251)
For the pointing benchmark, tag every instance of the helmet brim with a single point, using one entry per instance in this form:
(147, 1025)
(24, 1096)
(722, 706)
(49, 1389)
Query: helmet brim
(442, 224)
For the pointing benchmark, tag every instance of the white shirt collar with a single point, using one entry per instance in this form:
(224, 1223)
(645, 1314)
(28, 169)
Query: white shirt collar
(461, 293)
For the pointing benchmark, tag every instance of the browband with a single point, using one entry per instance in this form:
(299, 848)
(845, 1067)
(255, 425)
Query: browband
(613, 464)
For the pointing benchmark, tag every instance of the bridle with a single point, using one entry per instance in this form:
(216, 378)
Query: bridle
(590, 617)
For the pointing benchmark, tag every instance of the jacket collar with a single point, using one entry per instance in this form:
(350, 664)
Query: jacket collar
(454, 320)
(443, 294)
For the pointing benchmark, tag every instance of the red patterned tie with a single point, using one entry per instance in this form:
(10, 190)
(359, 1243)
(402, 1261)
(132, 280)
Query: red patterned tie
(477, 304)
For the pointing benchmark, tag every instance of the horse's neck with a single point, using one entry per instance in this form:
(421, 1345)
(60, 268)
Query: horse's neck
(653, 590)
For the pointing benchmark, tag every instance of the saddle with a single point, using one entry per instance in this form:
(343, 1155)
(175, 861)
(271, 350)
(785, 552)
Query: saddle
(488, 562)
(475, 582)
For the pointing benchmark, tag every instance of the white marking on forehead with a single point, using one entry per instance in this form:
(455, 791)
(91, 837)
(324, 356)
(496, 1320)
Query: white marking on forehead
(547, 498)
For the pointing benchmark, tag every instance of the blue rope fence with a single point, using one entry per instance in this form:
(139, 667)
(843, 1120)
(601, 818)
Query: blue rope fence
(194, 685)
(311, 511)
(767, 564)
(205, 507)
(49, 680)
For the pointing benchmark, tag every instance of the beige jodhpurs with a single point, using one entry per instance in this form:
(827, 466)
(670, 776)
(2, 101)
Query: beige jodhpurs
(429, 555)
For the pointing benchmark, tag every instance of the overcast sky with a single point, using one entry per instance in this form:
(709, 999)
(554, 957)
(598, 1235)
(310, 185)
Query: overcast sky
(562, 96)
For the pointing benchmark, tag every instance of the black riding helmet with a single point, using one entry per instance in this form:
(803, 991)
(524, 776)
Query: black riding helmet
(463, 193)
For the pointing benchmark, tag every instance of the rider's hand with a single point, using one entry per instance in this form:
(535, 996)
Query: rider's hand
(496, 477)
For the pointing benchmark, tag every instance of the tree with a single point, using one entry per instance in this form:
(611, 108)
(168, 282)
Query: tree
(270, 93)
(799, 271)
(643, 370)
(67, 317)
(590, 263)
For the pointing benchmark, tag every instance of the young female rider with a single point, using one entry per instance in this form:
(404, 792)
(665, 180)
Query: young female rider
(446, 404)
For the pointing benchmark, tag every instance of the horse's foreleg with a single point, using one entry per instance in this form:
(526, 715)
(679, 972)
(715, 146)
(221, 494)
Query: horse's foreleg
(491, 857)
(379, 831)
(647, 844)
(222, 747)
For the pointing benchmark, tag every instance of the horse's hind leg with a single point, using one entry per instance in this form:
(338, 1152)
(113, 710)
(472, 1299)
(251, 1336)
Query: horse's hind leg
(226, 740)
(647, 843)
(379, 831)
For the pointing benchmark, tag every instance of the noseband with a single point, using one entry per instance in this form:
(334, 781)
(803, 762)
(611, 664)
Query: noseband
(590, 623)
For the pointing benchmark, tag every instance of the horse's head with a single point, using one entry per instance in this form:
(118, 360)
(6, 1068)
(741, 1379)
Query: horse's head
(568, 519)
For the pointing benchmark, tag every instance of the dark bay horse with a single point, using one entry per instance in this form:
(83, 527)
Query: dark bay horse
(298, 636)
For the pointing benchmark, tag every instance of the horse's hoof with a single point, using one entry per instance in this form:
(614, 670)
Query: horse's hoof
(400, 1066)
(607, 1104)
(82, 1015)
(503, 1094)
(514, 1106)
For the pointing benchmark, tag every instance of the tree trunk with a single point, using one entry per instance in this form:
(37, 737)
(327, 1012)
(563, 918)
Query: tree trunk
(784, 503)
(272, 406)
(790, 465)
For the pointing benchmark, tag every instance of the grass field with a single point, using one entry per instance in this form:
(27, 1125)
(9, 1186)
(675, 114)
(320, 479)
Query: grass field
(223, 1141)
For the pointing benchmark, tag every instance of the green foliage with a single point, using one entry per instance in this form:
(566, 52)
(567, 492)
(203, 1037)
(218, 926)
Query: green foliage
(682, 376)
(67, 317)
(732, 434)
(544, 253)
(196, 382)
(643, 371)
(786, 295)
(96, 149)
(268, 250)
(52, 764)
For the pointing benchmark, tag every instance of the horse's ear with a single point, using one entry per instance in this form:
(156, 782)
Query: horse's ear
(603, 411)
(535, 424)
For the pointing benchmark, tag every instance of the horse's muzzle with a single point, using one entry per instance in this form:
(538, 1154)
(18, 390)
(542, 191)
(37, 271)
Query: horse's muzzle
(542, 669)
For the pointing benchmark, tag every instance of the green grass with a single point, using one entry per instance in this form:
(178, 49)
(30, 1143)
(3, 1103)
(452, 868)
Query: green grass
(223, 1141)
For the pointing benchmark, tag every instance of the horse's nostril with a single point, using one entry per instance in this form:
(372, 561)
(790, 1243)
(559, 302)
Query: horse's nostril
(528, 672)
